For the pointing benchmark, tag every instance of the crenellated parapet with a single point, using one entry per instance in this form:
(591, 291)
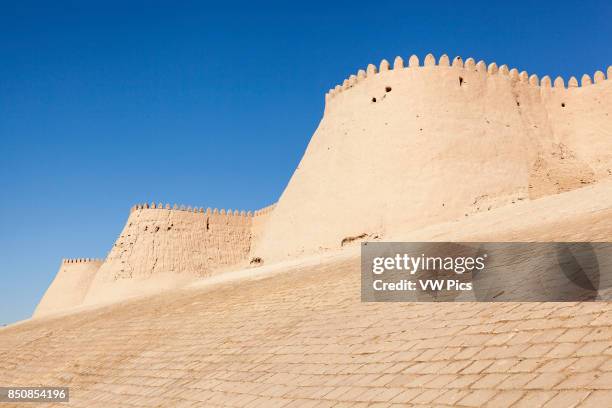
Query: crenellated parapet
(265, 210)
(81, 260)
(444, 62)
(200, 210)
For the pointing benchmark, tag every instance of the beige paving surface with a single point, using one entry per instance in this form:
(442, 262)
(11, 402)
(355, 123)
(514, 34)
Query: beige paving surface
(304, 339)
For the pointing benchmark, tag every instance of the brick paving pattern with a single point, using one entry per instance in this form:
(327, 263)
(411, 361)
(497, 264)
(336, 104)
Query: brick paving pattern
(304, 339)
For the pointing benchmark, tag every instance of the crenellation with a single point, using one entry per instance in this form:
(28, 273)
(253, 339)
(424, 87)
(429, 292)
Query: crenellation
(413, 62)
(398, 63)
(430, 60)
(371, 70)
(81, 260)
(481, 66)
(457, 62)
(586, 80)
(572, 83)
(195, 209)
(384, 66)
(559, 82)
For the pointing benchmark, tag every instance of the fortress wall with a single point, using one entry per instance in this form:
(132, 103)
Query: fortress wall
(69, 287)
(423, 143)
(164, 247)
(259, 223)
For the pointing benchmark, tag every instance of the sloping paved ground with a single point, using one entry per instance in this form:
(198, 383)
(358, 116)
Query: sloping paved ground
(304, 339)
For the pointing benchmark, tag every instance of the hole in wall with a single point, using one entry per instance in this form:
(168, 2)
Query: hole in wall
(388, 89)
(373, 99)
(563, 104)
(518, 103)
(460, 81)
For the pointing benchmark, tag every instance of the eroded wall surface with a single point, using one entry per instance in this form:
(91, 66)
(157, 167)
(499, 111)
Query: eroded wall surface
(163, 248)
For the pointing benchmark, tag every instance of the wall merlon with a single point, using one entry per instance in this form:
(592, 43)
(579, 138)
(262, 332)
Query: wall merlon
(586, 80)
(492, 69)
(430, 60)
(481, 66)
(371, 70)
(444, 61)
(514, 74)
(398, 63)
(470, 63)
(546, 82)
(384, 66)
(413, 61)
(559, 82)
(572, 83)
(458, 62)
(524, 76)
(609, 71)
(533, 80)
(599, 77)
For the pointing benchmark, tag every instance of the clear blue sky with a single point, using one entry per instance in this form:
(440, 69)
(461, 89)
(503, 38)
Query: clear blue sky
(107, 104)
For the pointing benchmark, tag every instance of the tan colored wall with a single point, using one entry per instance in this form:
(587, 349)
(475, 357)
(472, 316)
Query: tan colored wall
(164, 248)
(69, 287)
(438, 143)
(258, 228)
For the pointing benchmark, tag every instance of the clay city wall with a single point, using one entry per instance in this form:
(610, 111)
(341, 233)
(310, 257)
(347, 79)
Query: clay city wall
(69, 286)
(397, 149)
(401, 148)
(165, 246)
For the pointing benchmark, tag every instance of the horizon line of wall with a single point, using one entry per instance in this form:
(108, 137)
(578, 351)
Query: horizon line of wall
(208, 210)
(470, 63)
